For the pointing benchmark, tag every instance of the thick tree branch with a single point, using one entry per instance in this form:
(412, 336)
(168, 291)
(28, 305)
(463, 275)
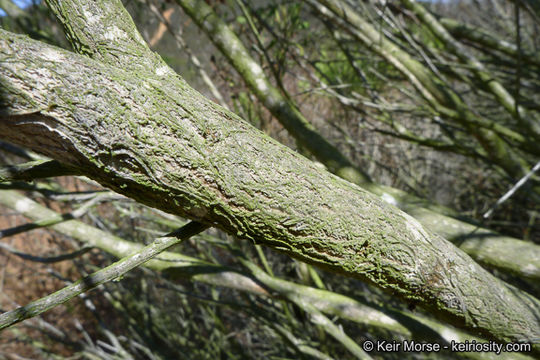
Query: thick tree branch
(476, 245)
(383, 321)
(287, 114)
(104, 31)
(158, 141)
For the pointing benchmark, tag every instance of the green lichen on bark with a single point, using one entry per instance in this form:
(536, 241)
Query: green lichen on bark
(289, 116)
(281, 107)
(158, 141)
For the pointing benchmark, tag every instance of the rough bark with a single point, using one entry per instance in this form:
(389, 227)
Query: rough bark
(476, 242)
(386, 322)
(252, 73)
(151, 137)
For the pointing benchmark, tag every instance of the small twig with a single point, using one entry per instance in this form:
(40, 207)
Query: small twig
(80, 196)
(46, 260)
(194, 60)
(316, 316)
(511, 192)
(99, 277)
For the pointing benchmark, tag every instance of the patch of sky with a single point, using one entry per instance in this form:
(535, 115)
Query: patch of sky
(22, 4)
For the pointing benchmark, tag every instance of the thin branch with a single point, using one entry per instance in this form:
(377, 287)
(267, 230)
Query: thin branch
(46, 260)
(99, 277)
(502, 95)
(38, 169)
(511, 192)
(11, 9)
(482, 38)
(165, 21)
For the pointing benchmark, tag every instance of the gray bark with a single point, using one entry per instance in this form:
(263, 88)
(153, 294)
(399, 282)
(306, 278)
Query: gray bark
(488, 248)
(151, 137)
(380, 322)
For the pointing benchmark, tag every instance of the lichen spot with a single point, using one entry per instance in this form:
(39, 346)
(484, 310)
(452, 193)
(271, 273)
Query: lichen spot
(255, 69)
(162, 70)
(530, 269)
(381, 318)
(44, 80)
(319, 165)
(387, 198)
(234, 45)
(24, 205)
(91, 18)
(123, 248)
(53, 55)
(114, 33)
